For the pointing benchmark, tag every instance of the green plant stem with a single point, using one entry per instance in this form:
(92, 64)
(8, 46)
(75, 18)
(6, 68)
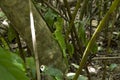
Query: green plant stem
(72, 17)
(93, 38)
(72, 20)
(71, 24)
(108, 44)
(104, 69)
(78, 40)
(90, 13)
(83, 9)
(68, 8)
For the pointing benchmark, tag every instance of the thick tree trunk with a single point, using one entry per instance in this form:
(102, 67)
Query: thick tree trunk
(17, 12)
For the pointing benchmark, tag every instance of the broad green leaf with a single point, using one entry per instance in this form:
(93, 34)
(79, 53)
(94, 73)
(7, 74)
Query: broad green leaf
(50, 17)
(18, 61)
(30, 62)
(56, 73)
(11, 67)
(112, 67)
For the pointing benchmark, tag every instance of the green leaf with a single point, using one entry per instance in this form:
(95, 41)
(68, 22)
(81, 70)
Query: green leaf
(112, 67)
(1, 14)
(60, 37)
(11, 66)
(81, 33)
(18, 61)
(30, 62)
(56, 73)
(71, 75)
(50, 17)
(94, 49)
(4, 43)
(70, 49)
(81, 77)
(11, 34)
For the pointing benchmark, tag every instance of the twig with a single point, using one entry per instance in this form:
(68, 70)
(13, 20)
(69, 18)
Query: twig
(105, 58)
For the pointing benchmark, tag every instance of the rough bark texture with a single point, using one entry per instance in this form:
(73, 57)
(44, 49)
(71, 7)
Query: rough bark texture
(17, 12)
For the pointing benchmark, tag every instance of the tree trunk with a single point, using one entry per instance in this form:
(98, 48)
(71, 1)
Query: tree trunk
(17, 11)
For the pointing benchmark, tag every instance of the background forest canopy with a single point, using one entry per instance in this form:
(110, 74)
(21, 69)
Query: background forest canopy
(59, 39)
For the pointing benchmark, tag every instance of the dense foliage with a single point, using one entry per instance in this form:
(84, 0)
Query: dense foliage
(88, 35)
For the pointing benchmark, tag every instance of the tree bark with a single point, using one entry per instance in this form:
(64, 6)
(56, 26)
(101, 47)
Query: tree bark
(17, 11)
